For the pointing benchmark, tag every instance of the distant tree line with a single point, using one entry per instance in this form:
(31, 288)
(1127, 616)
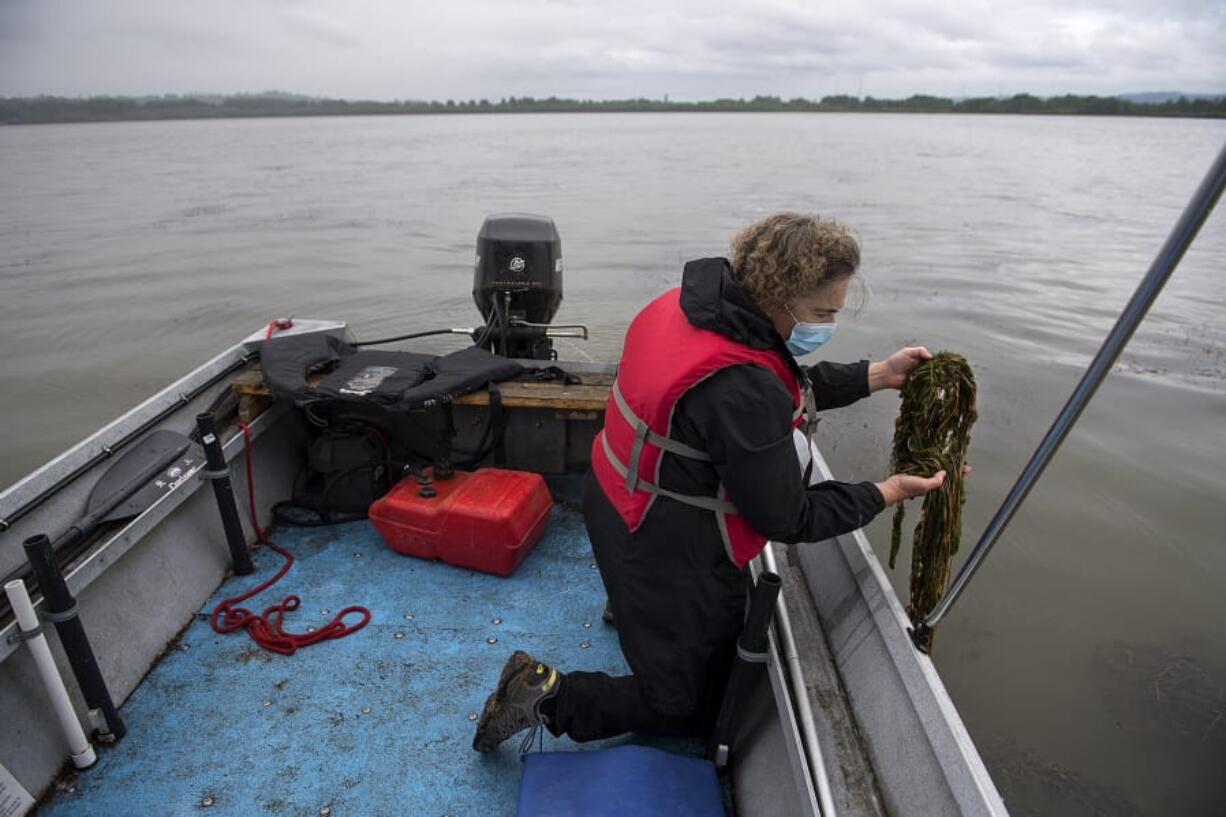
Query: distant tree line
(30, 110)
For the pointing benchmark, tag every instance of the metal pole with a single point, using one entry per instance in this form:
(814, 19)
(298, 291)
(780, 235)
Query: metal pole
(808, 725)
(1177, 243)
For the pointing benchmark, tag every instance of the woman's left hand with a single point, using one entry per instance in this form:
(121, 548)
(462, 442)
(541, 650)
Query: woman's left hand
(892, 372)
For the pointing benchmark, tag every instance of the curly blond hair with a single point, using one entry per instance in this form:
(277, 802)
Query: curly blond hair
(787, 255)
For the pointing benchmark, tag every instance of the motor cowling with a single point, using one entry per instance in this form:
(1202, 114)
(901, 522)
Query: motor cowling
(517, 283)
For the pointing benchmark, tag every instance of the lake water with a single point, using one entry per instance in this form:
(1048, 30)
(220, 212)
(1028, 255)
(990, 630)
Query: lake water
(1088, 658)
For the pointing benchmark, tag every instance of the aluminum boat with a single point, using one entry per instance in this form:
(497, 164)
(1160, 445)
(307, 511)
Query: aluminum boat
(849, 718)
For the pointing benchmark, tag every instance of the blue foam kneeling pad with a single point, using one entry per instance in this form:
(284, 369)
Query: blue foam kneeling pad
(621, 780)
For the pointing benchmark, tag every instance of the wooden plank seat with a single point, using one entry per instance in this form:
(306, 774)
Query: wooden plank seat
(587, 396)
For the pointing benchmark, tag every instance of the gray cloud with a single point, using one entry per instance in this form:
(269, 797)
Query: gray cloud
(481, 48)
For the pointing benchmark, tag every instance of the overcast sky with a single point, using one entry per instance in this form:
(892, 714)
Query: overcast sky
(407, 49)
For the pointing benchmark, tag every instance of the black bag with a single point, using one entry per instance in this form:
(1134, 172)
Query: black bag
(346, 470)
(381, 413)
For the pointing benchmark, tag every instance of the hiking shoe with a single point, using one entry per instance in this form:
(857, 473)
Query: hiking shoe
(515, 704)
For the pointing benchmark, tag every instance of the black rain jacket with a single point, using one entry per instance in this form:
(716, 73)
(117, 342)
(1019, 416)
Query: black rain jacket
(679, 601)
(742, 417)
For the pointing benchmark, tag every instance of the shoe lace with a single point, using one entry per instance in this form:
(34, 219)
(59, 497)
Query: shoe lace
(535, 734)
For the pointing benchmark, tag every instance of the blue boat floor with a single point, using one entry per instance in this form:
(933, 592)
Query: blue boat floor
(376, 723)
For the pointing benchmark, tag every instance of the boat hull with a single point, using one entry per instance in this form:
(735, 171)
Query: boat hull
(891, 738)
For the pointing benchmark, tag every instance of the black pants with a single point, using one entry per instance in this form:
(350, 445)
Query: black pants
(679, 606)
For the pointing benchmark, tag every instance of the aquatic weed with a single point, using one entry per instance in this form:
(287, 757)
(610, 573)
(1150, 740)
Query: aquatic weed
(932, 434)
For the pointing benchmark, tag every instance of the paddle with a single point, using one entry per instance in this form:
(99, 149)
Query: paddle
(128, 488)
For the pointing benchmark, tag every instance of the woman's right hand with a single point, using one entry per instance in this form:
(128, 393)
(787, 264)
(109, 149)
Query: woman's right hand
(903, 486)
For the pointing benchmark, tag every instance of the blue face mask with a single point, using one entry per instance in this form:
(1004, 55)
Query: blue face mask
(807, 337)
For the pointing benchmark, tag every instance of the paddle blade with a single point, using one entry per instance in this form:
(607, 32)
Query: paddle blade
(134, 469)
(166, 481)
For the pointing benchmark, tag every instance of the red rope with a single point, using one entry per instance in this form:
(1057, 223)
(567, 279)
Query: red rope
(277, 323)
(267, 629)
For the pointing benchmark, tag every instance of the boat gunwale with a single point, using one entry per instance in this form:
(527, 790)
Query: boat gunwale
(112, 436)
(117, 431)
(969, 782)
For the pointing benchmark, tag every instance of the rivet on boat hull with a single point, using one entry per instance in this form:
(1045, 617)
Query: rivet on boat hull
(408, 616)
(325, 812)
(587, 625)
(472, 716)
(366, 710)
(491, 640)
(265, 702)
(583, 645)
(495, 621)
(207, 800)
(398, 635)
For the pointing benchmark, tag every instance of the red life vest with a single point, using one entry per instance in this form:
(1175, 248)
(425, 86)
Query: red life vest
(664, 357)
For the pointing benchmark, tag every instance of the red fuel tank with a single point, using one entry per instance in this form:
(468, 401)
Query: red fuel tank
(487, 520)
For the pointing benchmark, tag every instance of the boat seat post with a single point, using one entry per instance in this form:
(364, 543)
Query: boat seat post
(60, 608)
(218, 473)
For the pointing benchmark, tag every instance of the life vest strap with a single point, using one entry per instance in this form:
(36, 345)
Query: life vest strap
(807, 409)
(708, 503)
(643, 431)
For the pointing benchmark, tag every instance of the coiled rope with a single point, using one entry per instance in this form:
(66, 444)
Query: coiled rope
(268, 628)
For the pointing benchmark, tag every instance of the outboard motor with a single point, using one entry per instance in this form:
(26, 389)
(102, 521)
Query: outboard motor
(517, 285)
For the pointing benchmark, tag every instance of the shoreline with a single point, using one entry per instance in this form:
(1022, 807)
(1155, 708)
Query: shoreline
(62, 110)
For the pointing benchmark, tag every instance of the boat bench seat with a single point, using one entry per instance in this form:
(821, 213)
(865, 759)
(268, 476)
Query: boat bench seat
(587, 396)
(640, 780)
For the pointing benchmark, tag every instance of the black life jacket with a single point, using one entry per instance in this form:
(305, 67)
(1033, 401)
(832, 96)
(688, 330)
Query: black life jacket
(391, 379)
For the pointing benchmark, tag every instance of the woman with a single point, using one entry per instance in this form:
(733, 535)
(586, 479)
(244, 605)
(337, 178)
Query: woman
(696, 468)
